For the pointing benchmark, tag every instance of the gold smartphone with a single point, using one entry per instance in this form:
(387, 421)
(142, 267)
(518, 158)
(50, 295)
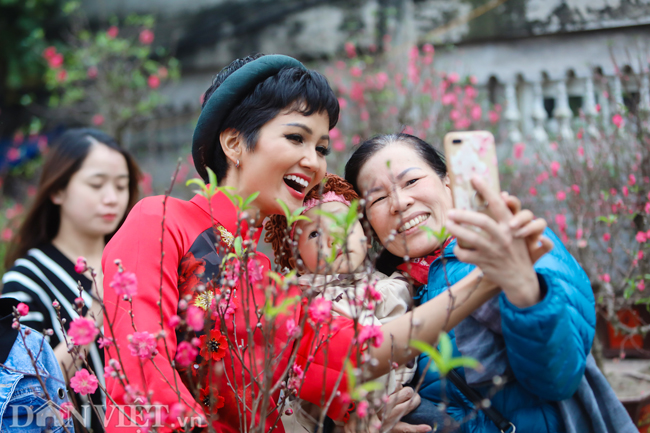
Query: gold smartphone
(470, 153)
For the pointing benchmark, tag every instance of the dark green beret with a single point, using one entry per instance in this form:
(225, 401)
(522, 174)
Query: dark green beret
(228, 95)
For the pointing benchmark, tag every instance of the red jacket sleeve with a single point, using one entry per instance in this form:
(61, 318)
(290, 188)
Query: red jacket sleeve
(137, 246)
(329, 362)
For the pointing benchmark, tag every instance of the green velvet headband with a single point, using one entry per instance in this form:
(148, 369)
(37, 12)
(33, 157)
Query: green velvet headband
(228, 95)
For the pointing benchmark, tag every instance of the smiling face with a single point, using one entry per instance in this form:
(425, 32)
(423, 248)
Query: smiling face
(316, 242)
(96, 197)
(288, 161)
(403, 194)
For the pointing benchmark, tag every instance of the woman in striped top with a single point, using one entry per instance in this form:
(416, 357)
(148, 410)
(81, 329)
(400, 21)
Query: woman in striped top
(87, 186)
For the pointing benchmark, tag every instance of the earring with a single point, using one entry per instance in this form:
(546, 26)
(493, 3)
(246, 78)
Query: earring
(237, 164)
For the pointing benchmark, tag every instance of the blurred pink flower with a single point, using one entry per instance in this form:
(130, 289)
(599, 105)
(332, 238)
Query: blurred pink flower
(476, 112)
(641, 285)
(83, 382)
(463, 123)
(174, 321)
(553, 145)
(55, 61)
(23, 309)
(471, 92)
(142, 345)
(112, 32)
(65, 409)
(340, 64)
(185, 354)
(454, 115)
(13, 154)
(254, 271)
(49, 52)
(98, 120)
(81, 266)
(561, 195)
(617, 120)
(320, 310)
(581, 151)
(195, 318)
(632, 180)
(532, 191)
(125, 283)
(153, 81)
(518, 149)
(343, 103)
(83, 331)
(579, 234)
(365, 116)
(606, 237)
(575, 188)
(146, 37)
(92, 72)
(356, 71)
(372, 334)
(62, 75)
(146, 183)
(7, 234)
(356, 139)
(293, 330)
(338, 145)
(625, 191)
(555, 167)
(453, 77)
(560, 220)
(428, 48)
(641, 237)
(449, 98)
(605, 278)
(350, 50)
(104, 342)
(362, 409)
(493, 116)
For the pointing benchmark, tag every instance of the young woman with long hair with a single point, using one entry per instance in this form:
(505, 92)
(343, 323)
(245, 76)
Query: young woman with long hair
(87, 186)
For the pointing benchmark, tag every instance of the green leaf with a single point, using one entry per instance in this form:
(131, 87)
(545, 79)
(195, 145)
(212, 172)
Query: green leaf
(272, 312)
(349, 370)
(362, 390)
(445, 347)
(250, 199)
(238, 245)
(285, 209)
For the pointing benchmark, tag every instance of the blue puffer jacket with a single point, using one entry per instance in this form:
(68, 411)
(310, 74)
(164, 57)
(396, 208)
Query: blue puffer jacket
(541, 350)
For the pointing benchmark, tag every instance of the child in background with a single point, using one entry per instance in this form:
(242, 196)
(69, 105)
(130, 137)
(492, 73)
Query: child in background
(371, 298)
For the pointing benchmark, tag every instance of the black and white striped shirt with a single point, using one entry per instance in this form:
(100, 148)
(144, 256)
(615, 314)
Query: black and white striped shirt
(38, 279)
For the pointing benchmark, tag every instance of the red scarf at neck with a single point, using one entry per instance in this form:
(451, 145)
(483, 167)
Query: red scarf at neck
(418, 268)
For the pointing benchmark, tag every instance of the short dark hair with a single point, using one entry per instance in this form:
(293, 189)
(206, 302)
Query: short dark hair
(373, 145)
(64, 159)
(294, 89)
(387, 262)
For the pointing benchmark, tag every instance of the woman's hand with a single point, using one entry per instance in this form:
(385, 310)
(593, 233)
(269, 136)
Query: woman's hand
(401, 402)
(504, 258)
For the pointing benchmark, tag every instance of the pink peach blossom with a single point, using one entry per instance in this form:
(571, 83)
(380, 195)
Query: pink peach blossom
(605, 278)
(23, 309)
(356, 71)
(561, 195)
(146, 37)
(581, 151)
(142, 345)
(555, 167)
(83, 331)
(350, 50)
(641, 237)
(195, 318)
(641, 285)
(532, 191)
(153, 81)
(124, 283)
(631, 179)
(493, 117)
(98, 120)
(617, 120)
(320, 310)
(606, 237)
(112, 32)
(518, 150)
(185, 354)
(476, 112)
(373, 334)
(575, 188)
(83, 382)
